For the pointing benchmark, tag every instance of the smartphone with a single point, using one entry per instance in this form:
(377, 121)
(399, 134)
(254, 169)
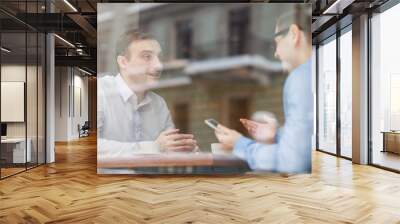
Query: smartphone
(211, 123)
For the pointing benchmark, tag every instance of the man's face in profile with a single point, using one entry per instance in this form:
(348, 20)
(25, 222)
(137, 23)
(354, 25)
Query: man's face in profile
(283, 47)
(141, 63)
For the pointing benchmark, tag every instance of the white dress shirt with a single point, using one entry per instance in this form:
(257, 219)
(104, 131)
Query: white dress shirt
(126, 127)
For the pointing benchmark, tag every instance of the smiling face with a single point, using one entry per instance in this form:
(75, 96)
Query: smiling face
(140, 65)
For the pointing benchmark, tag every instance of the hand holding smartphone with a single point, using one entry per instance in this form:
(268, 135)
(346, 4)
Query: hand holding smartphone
(211, 123)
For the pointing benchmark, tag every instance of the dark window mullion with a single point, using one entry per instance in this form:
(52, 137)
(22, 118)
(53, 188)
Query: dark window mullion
(338, 72)
(26, 86)
(0, 98)
(369, 96)
(37, 90)
(317, 96)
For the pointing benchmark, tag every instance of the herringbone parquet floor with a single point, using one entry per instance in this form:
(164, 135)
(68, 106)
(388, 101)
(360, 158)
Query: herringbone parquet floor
(70, 191)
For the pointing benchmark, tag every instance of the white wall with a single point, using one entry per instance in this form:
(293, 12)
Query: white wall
(12, 73)
(80, 83)
(69, 82)
(61, 103)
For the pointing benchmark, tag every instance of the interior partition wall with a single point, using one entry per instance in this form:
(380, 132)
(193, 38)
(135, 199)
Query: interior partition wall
(23, 89)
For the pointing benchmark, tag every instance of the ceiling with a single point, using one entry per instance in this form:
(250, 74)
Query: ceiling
(76, 22)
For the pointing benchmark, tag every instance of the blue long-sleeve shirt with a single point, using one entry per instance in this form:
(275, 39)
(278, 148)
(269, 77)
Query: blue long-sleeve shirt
(292, 151)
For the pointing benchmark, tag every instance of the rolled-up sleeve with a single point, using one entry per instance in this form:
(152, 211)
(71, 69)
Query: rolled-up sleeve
(258, 156)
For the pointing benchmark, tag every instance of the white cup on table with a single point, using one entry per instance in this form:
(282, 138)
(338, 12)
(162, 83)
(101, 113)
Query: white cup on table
(217, 148)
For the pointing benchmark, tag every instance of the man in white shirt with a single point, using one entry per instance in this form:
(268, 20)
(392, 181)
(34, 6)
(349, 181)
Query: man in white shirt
(131, 118)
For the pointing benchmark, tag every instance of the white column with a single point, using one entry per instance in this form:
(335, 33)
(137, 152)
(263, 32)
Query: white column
(50, 92)
(50, 99)
(360, 90)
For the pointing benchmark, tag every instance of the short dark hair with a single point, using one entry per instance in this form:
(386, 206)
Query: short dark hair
(300, 16)
(127, 38)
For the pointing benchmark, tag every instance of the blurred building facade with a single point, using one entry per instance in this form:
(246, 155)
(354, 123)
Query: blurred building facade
(218, 59)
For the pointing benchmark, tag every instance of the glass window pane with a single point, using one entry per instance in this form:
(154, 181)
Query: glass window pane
(13, 86)
(385, 89)
(327, 97)
(31, 97)
(22, 89)
(314, 86)
(346, 94)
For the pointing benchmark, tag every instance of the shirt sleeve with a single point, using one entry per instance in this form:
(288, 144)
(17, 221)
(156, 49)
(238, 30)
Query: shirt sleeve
(278, 134)
(292, 152)
(100, 112)
(168, 124)
(258, 156)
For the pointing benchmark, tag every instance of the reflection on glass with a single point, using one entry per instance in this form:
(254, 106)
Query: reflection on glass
(327, 97)
(346, 94)
(215, 62)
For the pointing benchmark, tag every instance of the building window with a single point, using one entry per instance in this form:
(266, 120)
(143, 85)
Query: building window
(181, 117)
(239, 107)
(238, 30)
(184, 38)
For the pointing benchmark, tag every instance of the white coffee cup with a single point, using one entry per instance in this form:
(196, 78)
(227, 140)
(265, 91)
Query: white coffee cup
(216, 148)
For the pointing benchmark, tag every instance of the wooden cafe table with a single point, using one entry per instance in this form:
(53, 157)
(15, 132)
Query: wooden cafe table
(173, 163)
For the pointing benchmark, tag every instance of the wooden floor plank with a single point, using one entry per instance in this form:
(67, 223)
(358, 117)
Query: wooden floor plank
(70, 191)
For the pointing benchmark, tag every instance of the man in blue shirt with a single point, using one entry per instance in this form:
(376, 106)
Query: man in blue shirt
(288, 149)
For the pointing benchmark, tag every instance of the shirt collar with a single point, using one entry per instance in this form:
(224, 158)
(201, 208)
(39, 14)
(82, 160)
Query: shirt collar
(305, 65)
(123, 88)
(126, 93)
